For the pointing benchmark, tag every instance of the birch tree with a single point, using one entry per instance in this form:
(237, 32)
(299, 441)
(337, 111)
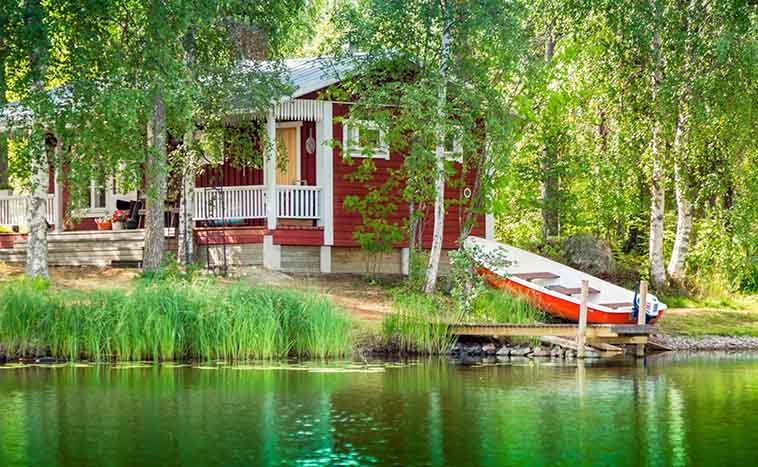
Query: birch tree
(439, 79)
(439, 153)
(36, 38)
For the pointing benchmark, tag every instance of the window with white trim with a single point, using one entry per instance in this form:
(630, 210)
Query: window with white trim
(453, 147)
(365, 139)
(103, 195)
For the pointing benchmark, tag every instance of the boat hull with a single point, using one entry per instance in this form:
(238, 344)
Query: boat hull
(557, 306)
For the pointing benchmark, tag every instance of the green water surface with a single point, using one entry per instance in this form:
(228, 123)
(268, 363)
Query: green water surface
(698, 410)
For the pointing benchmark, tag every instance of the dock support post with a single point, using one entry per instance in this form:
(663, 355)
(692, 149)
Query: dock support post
(641, 312)
(582, 331)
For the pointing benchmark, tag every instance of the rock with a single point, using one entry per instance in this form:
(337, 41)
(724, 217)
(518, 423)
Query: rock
(46, 360)
(520, 351)
(556, 352)
(454, 349)
(471, 349)
(504, 351)
(589, 254)
(540, 351)
(489, 349)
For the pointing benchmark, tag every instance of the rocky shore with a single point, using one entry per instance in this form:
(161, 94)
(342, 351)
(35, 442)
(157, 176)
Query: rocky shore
(706, 342)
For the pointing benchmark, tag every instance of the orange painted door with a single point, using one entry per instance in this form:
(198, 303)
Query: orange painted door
(286, 171)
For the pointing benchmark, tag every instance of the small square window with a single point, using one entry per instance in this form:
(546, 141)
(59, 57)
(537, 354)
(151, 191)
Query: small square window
(365, 139)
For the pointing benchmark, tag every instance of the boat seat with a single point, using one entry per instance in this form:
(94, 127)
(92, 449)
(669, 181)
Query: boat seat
(570, 290)
(618, 305)
(530, 276)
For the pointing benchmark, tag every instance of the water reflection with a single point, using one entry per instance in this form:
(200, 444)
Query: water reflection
(697, 410)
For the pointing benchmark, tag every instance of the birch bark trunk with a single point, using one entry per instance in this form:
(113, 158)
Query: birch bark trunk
(185, 251)
(155, 167)
(657, 188)
(187, 205)
(550, 188)
(36, 242)
(675, 267)
(439, 156)
(3, 136)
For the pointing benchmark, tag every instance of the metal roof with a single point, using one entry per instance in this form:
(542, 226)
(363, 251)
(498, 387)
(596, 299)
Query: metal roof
(311, 74)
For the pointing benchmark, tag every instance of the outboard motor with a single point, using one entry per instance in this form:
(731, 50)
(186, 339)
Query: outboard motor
(651, 311)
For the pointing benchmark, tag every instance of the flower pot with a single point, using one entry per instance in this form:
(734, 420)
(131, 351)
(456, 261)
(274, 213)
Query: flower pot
(104, 225)
(118, 225)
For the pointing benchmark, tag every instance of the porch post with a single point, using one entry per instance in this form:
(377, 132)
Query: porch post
(270, 173)
(325, 161)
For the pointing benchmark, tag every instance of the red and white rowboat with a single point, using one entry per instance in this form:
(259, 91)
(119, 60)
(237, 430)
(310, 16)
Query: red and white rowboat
(554, 287)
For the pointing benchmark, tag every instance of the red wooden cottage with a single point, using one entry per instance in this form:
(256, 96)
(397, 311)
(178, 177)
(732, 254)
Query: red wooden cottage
(305, 229)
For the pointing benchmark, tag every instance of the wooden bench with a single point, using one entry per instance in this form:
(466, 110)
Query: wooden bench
(618, 305)
(570, 290)
(530, 276)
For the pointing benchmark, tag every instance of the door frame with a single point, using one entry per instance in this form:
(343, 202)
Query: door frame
(298, 125)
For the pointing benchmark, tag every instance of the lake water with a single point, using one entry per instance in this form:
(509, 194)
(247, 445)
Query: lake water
(699, 410)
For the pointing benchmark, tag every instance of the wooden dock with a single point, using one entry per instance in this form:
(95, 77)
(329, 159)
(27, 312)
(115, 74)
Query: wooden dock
(619, 334)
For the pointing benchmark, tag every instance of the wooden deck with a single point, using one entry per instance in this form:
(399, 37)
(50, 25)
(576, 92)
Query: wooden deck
(88, 248)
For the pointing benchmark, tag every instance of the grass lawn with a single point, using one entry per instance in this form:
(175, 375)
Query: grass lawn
(726, 317)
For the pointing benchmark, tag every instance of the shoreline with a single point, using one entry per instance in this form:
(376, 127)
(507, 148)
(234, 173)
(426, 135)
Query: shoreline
(460, 351)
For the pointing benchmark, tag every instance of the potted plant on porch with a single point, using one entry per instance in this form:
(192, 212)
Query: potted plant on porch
(104, 223)
(118, 219)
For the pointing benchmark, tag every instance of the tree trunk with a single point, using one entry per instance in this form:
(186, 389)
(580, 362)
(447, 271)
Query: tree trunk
(155, 167)
(550, 188)
(683, 230)
(185, 252)
(36, 241)
(683, 208)
(3, 136)
(675, 267)
(657, 188)
(439, 156)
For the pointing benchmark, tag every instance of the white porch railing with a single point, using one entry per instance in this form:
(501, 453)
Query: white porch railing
(249, 202)
(298, 202)
(13, 209)
(233, 202)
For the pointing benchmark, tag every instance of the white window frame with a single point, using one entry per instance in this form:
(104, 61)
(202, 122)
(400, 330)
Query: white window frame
(456, 155)
(110, 199)
(351, 139)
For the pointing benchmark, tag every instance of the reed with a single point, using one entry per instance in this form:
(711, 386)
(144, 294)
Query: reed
(168, 320)
(497, 306)
(420, 323)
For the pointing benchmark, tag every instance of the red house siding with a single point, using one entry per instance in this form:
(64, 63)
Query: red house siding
(345, 222)
(305, 236)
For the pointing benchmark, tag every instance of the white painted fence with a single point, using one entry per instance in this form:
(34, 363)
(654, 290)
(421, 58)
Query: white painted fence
(249, 202)
(298, 202)
(13, 209)
(233, 202)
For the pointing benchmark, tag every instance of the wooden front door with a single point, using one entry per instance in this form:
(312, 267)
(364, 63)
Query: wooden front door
(286, 171)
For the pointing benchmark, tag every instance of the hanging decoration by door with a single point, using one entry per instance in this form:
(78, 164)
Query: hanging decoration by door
(310, 143)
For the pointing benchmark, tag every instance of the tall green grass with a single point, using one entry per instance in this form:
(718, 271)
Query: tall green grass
(498, 306)
(167, 320)
(420, 323)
